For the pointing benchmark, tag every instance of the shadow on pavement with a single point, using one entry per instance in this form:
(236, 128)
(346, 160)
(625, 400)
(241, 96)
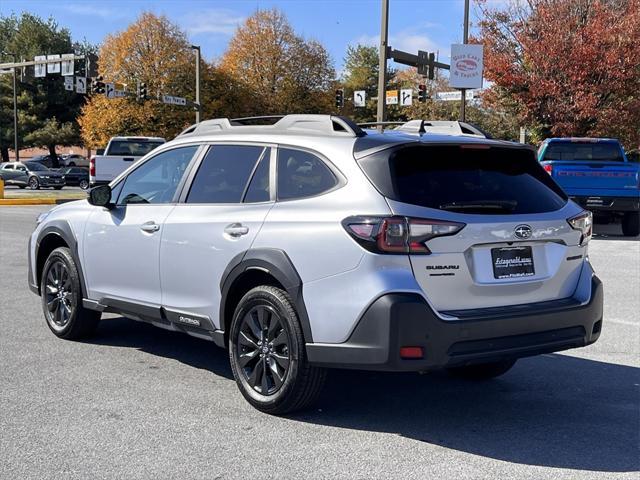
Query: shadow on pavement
(122, 332)
(552, 410)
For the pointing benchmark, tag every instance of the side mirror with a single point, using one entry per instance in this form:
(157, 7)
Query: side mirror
(100, 151)
(100, 196)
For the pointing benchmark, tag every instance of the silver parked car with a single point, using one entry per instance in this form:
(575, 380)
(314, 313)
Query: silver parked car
(311, 244)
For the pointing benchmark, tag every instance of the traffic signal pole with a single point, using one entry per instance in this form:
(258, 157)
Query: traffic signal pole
(465, 40)
(197, 49)
(382, 66)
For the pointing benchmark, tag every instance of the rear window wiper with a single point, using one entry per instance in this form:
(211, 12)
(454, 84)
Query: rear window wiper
(508, 205)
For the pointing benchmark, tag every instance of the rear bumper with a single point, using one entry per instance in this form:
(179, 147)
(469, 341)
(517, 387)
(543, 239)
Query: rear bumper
(400, 319)
(608, 204)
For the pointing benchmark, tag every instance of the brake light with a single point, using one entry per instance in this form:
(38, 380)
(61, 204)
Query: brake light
(92, 166)
(398, 234)
(548, 168)
(583, 223)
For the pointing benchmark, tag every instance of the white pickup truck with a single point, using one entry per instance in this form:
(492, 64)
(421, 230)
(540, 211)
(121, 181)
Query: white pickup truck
(120, 154)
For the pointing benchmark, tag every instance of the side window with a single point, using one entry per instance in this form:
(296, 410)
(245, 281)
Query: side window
(158, 178)
(21, 168)
(224, 173)
(7, 167)
(302, 174)
(258, 190)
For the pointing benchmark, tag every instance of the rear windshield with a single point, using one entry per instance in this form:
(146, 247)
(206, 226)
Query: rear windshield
(132, 148)
(492, 181)
(580, 151)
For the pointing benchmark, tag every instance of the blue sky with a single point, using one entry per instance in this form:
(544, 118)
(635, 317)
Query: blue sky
(430, 25)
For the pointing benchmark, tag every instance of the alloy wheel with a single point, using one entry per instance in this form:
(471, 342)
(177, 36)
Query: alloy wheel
(59, 295)
(263, 349)
(33, 183)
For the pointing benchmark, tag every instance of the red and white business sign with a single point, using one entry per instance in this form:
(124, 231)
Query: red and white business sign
(466, 66)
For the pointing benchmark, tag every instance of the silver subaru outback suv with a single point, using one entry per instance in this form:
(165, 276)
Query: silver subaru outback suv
(310, 244)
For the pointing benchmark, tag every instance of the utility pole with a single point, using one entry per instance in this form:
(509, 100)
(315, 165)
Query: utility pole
(382, 67)
(15, 107)
(198, 108)
(465, 40)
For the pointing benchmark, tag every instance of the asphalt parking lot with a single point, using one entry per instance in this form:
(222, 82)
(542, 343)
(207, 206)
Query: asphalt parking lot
(11, 191)
(140, 402)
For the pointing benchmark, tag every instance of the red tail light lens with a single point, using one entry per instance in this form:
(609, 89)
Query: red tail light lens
(584, 224)
(92, 166)
(548, 168)
(398, 234)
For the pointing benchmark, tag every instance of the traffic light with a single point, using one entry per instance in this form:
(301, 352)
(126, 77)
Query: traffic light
(141, 94)
(422, 93)
(97, 85)
(340, 98)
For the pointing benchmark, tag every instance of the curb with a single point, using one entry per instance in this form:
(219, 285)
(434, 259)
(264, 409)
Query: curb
(36, 201)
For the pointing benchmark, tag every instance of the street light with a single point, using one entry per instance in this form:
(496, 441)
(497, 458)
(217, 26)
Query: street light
(197, 50)
(15, 106)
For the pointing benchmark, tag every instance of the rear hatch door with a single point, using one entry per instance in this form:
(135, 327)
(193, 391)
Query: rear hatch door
(516, 247)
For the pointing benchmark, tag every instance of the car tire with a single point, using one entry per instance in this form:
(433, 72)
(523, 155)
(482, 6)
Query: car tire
(84, 184)
(482, 371)
(57, 188)
(267, 353)
(34, 183)
(631, 224)
(62, 298)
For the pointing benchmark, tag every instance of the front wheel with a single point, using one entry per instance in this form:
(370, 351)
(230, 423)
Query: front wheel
(84, 184)
(631, 224)
(267, 353)
(482, 371)
(34, 184)
(62, 297)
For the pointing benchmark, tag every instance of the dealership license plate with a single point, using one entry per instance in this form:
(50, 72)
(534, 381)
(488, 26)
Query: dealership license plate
(512, 262)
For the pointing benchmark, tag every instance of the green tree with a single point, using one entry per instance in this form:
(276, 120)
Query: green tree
(40, 99)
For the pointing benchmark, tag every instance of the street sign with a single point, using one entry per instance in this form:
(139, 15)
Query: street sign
(53, 67)
(67, 64)
(174, 100)
(406, 96)
(466, 66)
(454, 96)
(68, 84)
(359, 98)
(392, 97)
(81, 85)
(40, 68)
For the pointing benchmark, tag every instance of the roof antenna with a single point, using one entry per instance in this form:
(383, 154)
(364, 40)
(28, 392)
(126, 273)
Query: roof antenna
(421, 130)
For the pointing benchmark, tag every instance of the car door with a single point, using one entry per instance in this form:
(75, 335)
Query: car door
(7, 173)
(122, 244)
(21, 176)
(220, 215)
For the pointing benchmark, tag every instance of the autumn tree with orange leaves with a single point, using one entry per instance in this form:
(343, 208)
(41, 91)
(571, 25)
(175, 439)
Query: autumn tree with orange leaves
(568, 67)
(283, 72)
(155, 51)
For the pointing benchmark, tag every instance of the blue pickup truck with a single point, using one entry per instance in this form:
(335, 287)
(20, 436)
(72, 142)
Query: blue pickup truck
(596, 174)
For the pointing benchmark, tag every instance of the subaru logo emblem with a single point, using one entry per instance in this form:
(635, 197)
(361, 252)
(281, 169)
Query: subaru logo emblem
(523, 231)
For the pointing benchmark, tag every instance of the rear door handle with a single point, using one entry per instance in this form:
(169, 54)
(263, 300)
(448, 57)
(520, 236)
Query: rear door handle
(236, 230)
(150, 227)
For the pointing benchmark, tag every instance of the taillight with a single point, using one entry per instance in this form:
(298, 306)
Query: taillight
(398, 234)
(548, 168)
(92, 166)
(583, 223)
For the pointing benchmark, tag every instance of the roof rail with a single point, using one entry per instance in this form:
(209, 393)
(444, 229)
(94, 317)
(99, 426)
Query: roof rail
(298, 123)
(444, 127)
